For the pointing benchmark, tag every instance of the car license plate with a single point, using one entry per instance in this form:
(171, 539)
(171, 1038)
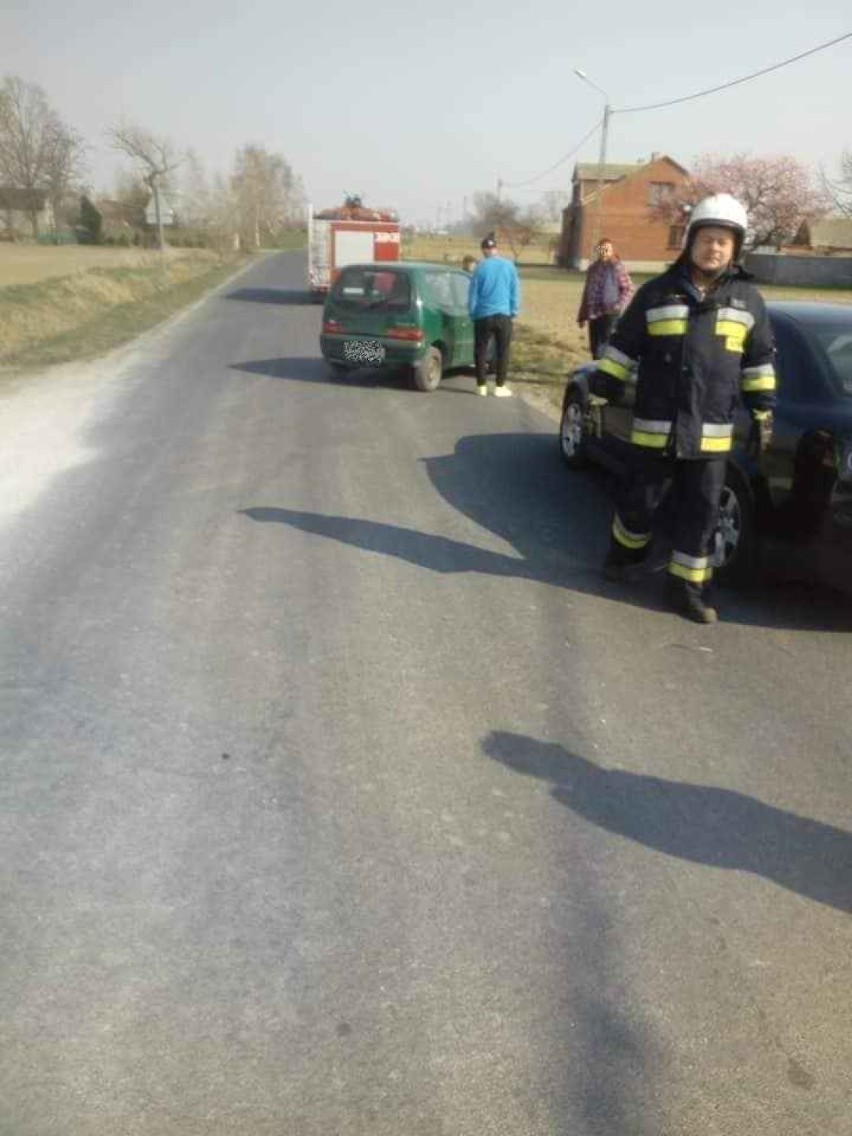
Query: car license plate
(366, 352)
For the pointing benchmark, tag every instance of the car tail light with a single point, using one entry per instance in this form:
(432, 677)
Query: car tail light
(409, 334)
(332, 327)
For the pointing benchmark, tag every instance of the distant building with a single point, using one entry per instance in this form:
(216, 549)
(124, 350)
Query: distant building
(24, 213)
(167, 211)
(826, 235)
(629, 199)
(122, 221)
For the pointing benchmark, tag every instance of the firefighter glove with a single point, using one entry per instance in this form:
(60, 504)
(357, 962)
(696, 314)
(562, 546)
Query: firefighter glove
(761, 432)
(594, 416)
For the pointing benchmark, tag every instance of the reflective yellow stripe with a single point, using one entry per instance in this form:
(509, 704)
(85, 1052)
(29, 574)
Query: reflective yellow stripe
(735, 315)
(734, 335)
(696, 569)
(633, 541)
(693, 575)
(667, 327)
(761, 383)
(610, 367)
(715, 445)
(642, 438)
(667, 312)
(617, 356)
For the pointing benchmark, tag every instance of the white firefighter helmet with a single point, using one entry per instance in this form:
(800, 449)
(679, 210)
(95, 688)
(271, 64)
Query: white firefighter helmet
(719, 209)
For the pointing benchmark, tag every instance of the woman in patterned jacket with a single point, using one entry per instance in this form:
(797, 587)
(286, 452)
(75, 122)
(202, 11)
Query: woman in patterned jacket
(607, 293)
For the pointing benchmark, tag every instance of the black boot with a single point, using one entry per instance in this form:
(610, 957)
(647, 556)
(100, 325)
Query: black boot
(686, 600)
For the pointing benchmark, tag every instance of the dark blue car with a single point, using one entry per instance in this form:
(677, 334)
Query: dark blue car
(799, 495)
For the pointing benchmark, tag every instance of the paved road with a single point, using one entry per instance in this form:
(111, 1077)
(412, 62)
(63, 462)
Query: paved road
(341, 798)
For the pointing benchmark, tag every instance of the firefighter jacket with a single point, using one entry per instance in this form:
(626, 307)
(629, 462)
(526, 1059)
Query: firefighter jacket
(691, 360)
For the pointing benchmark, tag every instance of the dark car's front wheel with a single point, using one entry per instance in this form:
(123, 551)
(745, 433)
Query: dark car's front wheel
(573, 437)
(427, 373)
(734, 550)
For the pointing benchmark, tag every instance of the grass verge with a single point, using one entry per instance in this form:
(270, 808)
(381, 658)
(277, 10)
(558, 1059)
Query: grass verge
(90, 312)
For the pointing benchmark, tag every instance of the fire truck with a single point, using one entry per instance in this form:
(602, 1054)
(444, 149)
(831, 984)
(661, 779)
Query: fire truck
(350, 234)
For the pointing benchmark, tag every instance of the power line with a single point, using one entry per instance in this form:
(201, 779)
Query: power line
(564, 158)
(674, 102)
(733, 82)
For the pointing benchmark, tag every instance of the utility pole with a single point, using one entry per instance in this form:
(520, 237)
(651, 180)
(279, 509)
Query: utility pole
(597, 226)
(597, 231)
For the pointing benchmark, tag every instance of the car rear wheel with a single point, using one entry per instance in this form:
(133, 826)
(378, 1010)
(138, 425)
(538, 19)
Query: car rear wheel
(734, 548)
(573, 437)
(427, 373)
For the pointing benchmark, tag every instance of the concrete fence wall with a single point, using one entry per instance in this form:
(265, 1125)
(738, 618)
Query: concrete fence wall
(802, 271)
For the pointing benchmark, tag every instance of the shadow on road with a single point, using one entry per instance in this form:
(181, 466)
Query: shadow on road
(437, 553)
(316, 370)
(510, 485)
(716, 827)
(271, 296)
(515, 486)
(296, 369)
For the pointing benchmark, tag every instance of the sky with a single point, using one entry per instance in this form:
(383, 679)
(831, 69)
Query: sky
(418, 107)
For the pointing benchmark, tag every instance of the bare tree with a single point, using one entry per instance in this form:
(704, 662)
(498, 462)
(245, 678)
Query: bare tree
(839, 189)
(156, 156)
(267, 194)
(553, 202)
(130, 189)
(39, 153)
(64, 166)
(194, 193)
(518, 227)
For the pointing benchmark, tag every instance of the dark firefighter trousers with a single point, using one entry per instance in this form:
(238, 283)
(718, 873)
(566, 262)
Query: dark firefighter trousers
(690, 513)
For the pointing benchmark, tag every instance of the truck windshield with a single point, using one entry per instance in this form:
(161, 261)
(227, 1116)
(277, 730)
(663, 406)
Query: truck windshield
(377, 289)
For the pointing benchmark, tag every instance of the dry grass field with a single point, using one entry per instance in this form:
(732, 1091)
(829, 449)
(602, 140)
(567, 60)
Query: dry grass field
(76, 302)
(28, 264)
(453, 249)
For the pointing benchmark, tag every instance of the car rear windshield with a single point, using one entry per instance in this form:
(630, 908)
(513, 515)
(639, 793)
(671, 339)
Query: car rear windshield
(374, 288)
(836, 342)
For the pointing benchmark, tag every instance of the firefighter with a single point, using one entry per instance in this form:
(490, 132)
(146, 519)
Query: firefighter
(691, 341)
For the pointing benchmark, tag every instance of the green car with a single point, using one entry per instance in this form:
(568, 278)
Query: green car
(409, 314)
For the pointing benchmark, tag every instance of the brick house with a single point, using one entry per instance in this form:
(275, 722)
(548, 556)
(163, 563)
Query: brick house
(630, 193)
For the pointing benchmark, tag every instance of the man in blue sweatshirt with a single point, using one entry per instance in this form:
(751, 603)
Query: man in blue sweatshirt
(493, 302)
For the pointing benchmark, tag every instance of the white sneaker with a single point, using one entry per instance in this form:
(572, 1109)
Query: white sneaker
(502, 392)
(482, 388)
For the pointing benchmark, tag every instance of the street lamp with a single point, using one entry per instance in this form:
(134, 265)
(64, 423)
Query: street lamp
(596, 231)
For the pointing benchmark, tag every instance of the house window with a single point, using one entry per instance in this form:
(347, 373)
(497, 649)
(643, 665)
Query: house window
(676, 236)
(660, 192)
